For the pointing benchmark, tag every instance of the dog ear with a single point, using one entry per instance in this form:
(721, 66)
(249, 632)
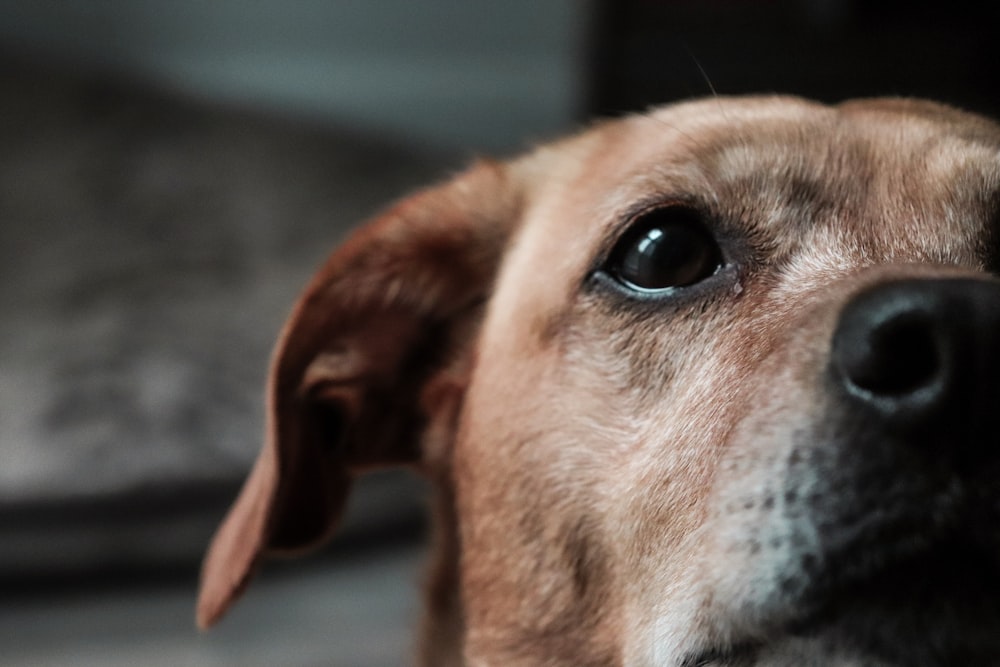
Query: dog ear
(349, 377)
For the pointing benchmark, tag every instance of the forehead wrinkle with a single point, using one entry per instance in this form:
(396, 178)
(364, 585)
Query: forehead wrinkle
(712, 162)
(910, 193)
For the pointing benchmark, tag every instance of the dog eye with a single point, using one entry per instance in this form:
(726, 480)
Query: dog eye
(665, 248)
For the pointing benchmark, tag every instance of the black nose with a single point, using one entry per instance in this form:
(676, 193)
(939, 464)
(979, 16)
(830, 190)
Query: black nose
(922, 354)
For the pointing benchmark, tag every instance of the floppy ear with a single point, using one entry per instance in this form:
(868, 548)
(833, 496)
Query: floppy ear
(377, 323)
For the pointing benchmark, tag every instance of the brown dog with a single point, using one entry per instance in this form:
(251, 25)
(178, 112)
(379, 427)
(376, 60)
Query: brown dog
(713, 385)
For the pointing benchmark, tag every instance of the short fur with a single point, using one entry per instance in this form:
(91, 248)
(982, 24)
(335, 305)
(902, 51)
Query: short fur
(635, 481)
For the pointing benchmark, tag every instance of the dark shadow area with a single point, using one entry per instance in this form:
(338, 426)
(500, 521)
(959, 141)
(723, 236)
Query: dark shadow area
(648, 53)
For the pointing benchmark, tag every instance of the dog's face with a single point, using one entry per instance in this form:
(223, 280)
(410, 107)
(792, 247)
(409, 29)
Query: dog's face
(709, 386)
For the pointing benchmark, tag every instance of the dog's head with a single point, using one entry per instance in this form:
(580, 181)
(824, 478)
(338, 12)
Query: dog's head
(715, 385)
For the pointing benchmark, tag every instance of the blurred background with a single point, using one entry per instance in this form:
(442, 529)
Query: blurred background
(170, 175)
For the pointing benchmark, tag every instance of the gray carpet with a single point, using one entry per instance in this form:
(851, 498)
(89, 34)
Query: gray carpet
(150, 248)
(352, 613)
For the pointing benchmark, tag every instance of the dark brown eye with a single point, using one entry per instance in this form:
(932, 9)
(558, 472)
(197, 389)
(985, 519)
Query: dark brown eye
(665, 248)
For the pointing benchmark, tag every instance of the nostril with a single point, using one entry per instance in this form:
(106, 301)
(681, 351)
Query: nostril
(915, 362)
(893, 357)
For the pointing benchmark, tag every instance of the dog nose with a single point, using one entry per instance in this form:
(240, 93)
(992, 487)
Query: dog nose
(922, 353)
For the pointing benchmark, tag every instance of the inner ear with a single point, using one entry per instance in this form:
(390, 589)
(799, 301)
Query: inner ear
(362, 400)
(315, 482)
(329, 421)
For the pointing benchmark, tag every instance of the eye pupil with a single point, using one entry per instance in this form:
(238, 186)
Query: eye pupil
(664, 249)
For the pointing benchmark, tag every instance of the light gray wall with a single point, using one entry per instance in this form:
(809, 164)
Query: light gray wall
(478, 75)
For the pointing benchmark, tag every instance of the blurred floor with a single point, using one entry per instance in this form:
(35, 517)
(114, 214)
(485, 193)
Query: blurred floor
(151, 246)
(356, 611)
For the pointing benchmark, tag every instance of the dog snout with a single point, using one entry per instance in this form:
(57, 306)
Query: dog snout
(922, 354)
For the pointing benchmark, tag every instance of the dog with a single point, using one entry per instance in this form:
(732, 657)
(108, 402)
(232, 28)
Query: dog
(711, 385)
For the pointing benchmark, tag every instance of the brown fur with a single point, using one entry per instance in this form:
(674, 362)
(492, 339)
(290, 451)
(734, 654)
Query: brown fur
(603, 463)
